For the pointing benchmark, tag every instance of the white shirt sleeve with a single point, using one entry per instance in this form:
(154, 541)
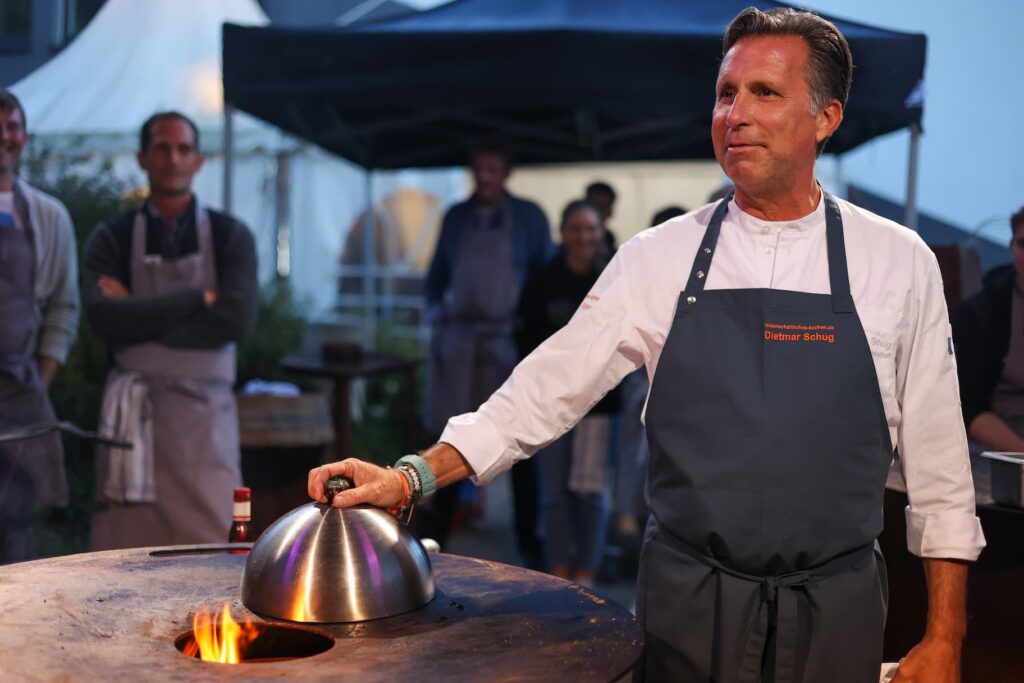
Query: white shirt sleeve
(557, 384)
(941, 519)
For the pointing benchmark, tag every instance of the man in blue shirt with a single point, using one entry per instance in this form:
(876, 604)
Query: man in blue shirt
(489, 245)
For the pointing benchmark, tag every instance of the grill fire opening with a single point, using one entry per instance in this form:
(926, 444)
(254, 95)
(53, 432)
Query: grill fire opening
(263, 643)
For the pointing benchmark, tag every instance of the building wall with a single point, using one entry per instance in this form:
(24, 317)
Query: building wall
(53, 24)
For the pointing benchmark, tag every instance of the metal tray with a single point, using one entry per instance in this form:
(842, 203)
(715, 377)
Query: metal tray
(1007, 477)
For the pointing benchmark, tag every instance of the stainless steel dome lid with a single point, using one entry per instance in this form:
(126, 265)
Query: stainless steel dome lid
(320, 564)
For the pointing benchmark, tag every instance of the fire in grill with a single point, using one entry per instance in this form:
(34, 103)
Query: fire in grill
(223, 640)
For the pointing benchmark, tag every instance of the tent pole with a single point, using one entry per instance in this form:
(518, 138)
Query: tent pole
(369, 268)
(229, 154)
(282, 211)
(910, 217)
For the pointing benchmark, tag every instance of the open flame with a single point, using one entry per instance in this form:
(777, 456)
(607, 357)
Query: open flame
(220, 639)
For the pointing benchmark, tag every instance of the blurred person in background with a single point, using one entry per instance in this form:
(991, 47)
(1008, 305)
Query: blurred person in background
(38, 322)
(602, 196)
(171, 288)
(488, 247)
(631, 466)
(575, 482)
(988, 332)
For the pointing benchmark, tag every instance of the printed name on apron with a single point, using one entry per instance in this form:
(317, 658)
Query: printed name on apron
(785, 332)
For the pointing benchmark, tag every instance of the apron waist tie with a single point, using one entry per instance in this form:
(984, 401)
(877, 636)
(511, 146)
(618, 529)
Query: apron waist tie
(778, 595)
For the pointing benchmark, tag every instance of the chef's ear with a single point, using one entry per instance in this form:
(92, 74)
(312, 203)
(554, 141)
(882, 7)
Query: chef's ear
(828, 120)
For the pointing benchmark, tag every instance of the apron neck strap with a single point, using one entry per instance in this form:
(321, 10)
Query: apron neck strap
(702, 263)
(22, 208)
(839, 278)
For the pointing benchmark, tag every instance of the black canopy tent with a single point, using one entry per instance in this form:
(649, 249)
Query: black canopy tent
(556, 80)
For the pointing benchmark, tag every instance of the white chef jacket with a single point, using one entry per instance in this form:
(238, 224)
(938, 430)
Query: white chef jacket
(625, 319)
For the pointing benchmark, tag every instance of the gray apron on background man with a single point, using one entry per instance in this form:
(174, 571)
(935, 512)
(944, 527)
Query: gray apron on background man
(31, 470)
(472, 350)
(195, 419)
(769, 453)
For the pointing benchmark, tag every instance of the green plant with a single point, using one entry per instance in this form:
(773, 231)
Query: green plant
(279, 331)
(382, 434)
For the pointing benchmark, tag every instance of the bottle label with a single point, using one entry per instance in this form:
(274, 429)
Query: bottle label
(242, 510)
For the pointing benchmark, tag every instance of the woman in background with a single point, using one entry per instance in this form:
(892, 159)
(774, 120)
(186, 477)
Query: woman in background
(574, 469)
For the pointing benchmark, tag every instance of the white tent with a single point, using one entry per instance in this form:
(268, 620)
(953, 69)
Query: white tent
(137, 57)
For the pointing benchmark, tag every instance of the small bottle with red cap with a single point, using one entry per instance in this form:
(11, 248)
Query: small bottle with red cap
(241, 517)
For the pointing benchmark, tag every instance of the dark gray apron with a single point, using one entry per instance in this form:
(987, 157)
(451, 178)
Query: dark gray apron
(769, 453)
(195, 419)
(472, 349)
(31, 470)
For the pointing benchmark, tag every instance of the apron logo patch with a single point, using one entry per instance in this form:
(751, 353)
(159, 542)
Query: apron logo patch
(800, 333)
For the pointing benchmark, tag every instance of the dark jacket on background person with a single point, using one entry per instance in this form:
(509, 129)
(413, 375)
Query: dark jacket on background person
(981, 335)
(531, 245)
(549, 300)
(180, 319)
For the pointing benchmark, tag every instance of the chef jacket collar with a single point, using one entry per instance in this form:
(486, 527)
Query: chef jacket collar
(815, 220)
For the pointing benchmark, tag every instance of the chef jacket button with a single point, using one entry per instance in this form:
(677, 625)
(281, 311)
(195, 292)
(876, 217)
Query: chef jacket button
(691, 300)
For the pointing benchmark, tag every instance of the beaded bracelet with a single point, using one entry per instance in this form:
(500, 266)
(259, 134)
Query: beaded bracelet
(422, 467)
(402, 504)
(414, 479)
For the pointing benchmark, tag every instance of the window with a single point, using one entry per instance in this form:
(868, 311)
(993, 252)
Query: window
(15, 25)
(73, 16)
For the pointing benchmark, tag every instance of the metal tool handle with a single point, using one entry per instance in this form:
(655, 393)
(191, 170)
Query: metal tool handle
(42, 428)
(336, 485)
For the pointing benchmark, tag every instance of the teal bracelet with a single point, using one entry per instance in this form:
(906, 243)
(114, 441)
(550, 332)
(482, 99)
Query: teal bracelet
(427, 478)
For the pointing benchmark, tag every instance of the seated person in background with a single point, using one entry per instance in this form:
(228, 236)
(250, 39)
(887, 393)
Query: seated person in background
(574, 483)
(988, 331)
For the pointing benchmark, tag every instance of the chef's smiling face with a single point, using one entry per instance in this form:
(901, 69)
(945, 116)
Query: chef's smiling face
(12, 139)
(764, 126)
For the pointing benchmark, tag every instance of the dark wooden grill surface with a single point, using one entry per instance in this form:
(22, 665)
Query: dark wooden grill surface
(115, 615)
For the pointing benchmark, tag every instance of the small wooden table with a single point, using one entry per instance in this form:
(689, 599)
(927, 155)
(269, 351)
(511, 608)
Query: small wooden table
(368, 365)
